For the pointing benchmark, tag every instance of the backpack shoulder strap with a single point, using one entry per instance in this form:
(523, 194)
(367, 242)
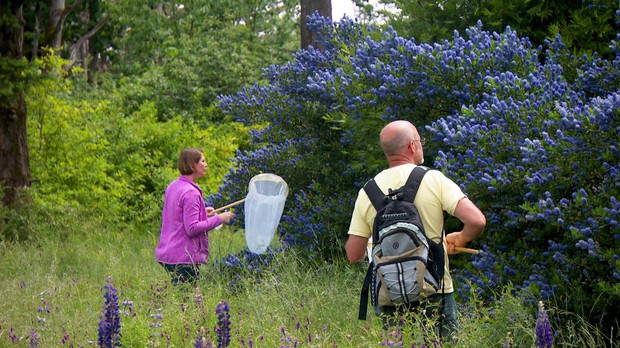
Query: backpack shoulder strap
(410, 191)
(413, 182)
(377, 198)
(363, 308)
(374, 193)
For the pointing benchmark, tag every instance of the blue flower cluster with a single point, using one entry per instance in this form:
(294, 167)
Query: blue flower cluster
(223, 325)
(110, 319)
(531, 134)
(245, 265)
(544, 333)
(34, 338)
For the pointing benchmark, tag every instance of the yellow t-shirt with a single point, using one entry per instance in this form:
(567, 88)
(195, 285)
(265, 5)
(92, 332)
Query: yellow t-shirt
(436, 194)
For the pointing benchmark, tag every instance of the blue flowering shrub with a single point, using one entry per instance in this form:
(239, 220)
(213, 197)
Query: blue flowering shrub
(245, 265)
(541, 159)
(531, 134)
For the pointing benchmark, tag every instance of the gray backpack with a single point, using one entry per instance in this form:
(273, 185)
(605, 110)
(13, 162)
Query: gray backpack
(406, 265)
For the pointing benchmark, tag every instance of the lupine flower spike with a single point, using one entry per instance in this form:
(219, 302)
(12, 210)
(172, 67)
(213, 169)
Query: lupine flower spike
(202, 341)
(223, 325)
(34, 338)
(110, 320)
(544, 335)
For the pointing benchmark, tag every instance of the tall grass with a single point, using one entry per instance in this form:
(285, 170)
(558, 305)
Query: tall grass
(53, 293)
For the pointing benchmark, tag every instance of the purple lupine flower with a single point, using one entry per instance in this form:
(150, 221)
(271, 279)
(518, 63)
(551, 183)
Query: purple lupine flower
(202, 341)
(128, 306)
(65, 337)
(14, 338)
(544, 335)
(44, 309)
(110, 320)
(158, 317)
(34, 339)
(223, 325)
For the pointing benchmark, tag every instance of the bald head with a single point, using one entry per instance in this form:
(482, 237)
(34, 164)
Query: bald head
(395, 137)
(401, 143)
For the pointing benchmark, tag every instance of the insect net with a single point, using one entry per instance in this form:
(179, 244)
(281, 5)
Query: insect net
(263, 205)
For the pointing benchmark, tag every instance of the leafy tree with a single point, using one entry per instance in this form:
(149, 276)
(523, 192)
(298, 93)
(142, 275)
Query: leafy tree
(585, 26)
(18, 36)
(175, 57)
(15, 72)
(70, 29)
(144, 31)
(182, 57)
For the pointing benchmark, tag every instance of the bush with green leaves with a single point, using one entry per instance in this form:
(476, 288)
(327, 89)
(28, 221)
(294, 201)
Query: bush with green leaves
(536, 149)
(86, 153)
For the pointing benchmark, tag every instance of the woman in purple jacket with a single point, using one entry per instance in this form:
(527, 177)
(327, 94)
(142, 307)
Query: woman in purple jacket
(186, 222)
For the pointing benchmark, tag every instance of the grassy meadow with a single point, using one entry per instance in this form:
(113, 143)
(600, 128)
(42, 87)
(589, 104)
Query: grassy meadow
(53, 295)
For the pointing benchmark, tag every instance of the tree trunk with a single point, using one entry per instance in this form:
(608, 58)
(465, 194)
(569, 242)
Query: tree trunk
(308, 7)
(55, 22)
(14, 159)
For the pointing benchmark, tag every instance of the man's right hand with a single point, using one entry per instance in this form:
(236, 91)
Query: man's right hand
(473, 224)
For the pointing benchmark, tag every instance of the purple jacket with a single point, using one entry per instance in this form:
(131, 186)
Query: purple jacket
(184, 235)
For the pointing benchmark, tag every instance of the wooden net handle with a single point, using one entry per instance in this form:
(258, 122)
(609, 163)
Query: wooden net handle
(233, 204)
(467, 250)
(459, 249)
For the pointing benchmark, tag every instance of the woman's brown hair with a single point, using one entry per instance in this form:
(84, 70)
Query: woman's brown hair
(188, 159)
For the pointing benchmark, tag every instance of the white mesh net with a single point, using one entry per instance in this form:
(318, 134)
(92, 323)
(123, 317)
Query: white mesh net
(263, 209)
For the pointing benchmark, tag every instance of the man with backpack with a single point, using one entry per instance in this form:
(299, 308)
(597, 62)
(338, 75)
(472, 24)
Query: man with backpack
(409, 268)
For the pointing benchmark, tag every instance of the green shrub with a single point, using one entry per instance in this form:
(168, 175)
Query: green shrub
(86, 153)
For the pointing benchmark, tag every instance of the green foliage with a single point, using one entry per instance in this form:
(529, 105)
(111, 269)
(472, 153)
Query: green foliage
(505, 317)
(15, 71)
(14, 75)
(589, 28)
(192, 74)
(432, 21)
(181, 57)
(19, 223)
(87, 153)
(111, 148)
(585, 26)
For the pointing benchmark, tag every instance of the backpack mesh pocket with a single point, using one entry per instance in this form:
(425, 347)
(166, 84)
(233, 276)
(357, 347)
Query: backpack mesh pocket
(399, 279)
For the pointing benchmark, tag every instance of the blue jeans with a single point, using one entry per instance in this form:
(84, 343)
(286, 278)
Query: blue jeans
(182, 273)
(440, 306)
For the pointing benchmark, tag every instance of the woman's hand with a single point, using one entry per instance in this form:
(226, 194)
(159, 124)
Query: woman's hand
(227, 217)
(210, 211)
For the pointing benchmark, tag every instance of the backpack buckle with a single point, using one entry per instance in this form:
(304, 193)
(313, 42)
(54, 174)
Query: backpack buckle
(395, 195)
